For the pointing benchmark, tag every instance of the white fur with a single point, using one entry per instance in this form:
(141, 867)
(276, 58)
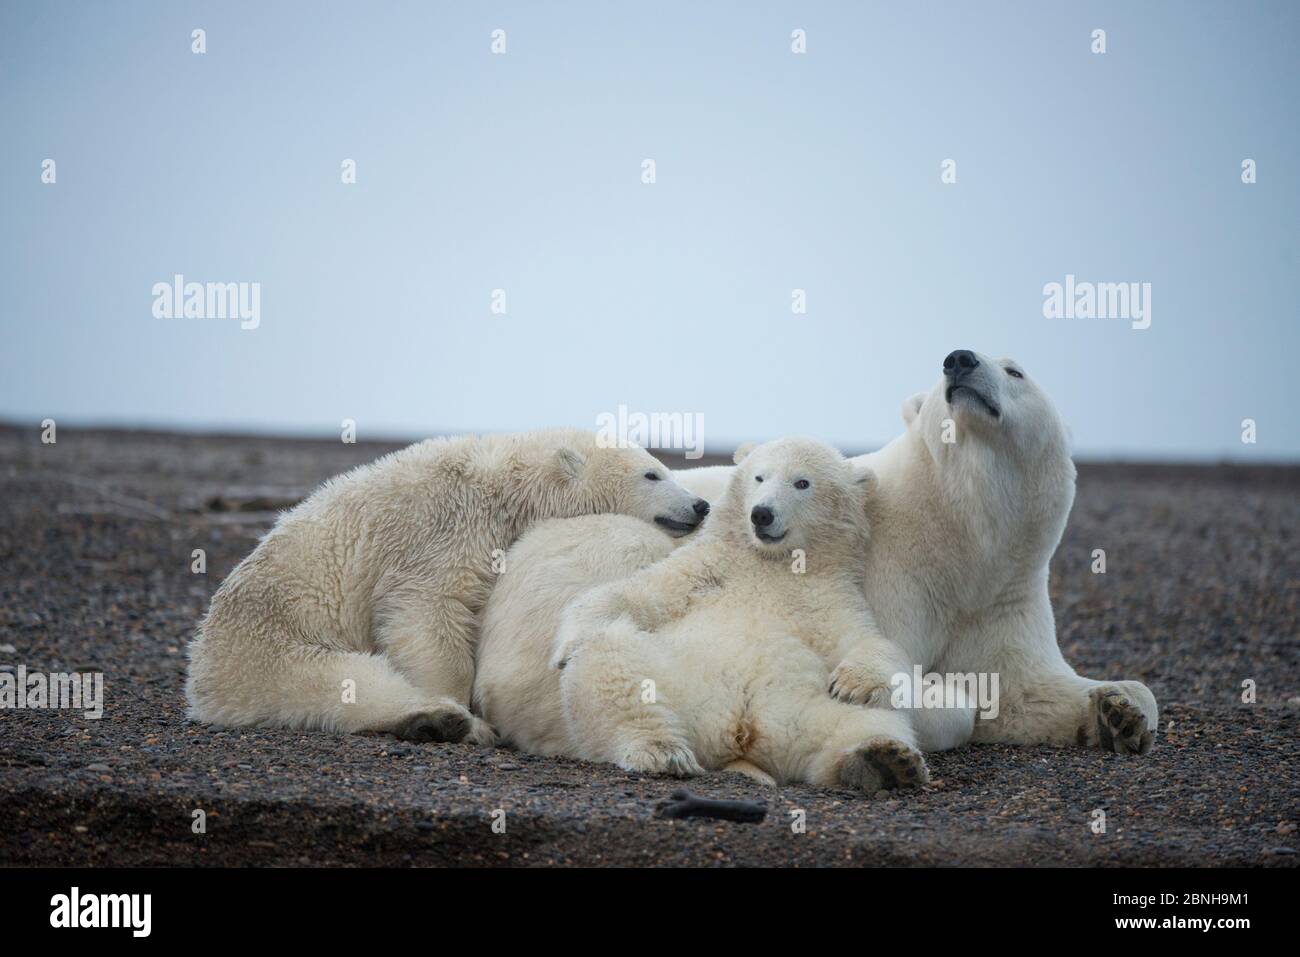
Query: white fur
(709, 482)
(718, 656)
(373, 584)
(959, 563)
(955, 573)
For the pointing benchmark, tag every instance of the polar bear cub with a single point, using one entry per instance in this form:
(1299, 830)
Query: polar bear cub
(721, 656)
(358, 611)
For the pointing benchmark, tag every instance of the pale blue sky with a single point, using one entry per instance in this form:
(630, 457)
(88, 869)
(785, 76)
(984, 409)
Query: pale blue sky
(775, 172)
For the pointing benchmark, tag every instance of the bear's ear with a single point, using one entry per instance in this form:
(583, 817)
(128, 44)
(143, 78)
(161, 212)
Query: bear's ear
(912, 407)
(569, 461)
(743, 450)
(863, 476)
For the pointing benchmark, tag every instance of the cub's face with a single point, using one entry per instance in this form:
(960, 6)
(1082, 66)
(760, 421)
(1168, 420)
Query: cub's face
(796, 493)
(983, 406)
(644, 488)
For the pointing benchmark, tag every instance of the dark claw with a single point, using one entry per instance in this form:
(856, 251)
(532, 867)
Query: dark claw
(1104, 736)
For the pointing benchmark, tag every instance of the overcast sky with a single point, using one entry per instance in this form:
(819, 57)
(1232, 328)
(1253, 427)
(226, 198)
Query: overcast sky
(774, 172)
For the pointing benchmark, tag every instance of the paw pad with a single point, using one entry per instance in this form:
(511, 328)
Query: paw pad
(1121, 724)
(885, 764)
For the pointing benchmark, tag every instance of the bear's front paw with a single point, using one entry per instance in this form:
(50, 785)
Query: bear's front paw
(857, 684)
(480, 733)
(1119, 722)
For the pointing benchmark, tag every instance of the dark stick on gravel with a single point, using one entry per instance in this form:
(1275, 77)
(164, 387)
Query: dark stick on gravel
(682, 803)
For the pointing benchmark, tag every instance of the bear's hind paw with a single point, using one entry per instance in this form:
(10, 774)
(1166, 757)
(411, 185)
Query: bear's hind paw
(883, 764)
(449, 725)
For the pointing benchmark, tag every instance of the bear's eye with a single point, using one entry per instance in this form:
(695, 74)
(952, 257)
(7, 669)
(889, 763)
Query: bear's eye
(758, 478)
(802, 484)
(1015, 374)
(652, 477)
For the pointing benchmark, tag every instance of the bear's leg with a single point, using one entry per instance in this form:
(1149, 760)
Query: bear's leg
(1039, 699)
(751, 771)
(942, 729)
(317, 689)
(1065, 709)
(615, 711)
(431, 640)
(839, 745)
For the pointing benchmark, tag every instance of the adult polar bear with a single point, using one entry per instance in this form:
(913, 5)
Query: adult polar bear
(971, 502)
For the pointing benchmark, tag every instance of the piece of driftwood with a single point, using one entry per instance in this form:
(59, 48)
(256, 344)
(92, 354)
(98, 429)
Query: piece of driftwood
(260, 498)
(682, 803)
(134, 507)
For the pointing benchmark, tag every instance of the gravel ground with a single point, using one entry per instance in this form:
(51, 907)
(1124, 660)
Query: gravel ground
(1202, 592)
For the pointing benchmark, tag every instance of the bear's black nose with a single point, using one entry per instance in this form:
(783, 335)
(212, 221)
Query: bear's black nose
(959, 363)
(761, 516)
(701, 507)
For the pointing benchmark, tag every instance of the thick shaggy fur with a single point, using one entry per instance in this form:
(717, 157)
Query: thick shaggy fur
(358, 611)
(721, 655)
(955, 574)
(964, 533)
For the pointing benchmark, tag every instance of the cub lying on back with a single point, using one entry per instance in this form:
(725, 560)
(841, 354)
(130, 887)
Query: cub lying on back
(359, 610)
(722, 655)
